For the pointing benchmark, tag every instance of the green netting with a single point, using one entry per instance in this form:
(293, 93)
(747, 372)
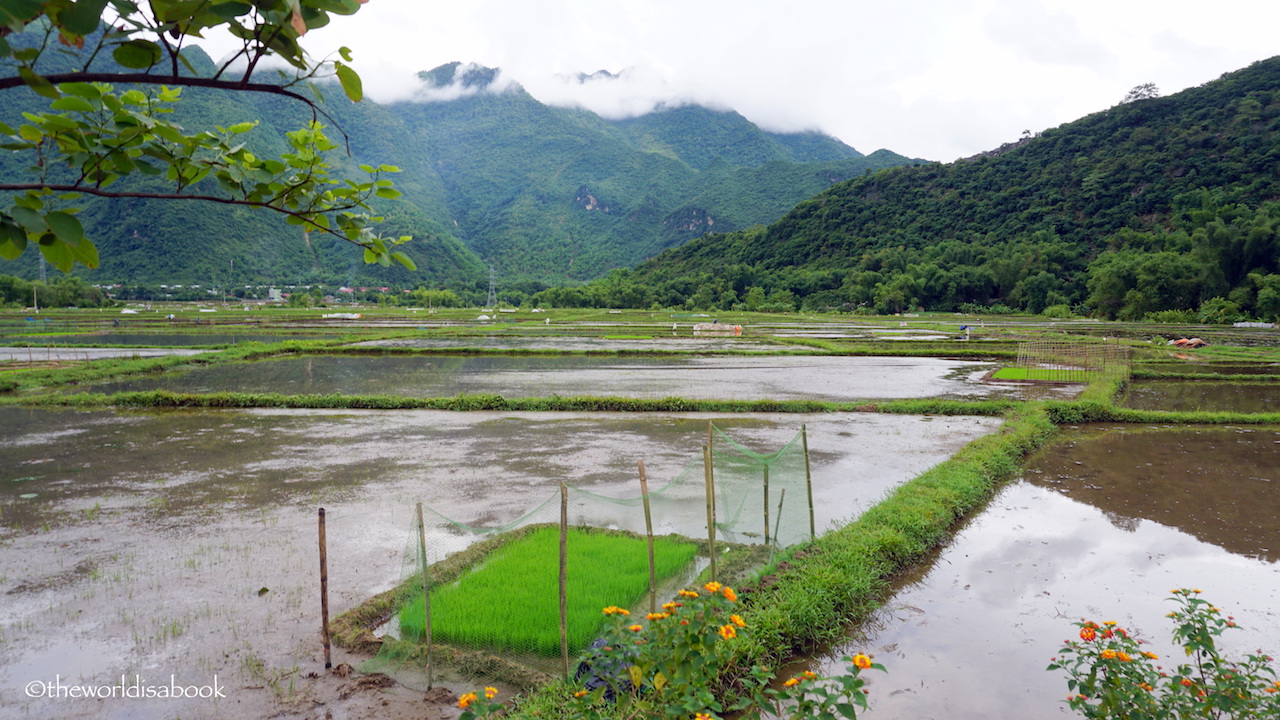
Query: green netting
(494, 590)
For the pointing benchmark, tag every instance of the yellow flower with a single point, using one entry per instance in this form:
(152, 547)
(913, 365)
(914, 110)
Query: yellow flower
(1150, 655)
(862, 662)
(491, 692)
(657, 616)
(466, 700)
(737, 620)
(671, 606)
(792, 682)
(713, 587)
(615, 610)
(1108, 654)
(809, 675)
(728, 631)
(581, 693)
(688, 593)
(703, 716)
(730, 595)
(636, 628)
(1124, 656)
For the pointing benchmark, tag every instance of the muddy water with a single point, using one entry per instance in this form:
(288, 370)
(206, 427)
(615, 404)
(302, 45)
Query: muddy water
(1185, 395)
(1101, 526)
(183, 544)
(746, 378)
(162, 339)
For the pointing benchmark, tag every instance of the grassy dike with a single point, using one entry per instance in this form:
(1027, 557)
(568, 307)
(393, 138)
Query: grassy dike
(841, 577)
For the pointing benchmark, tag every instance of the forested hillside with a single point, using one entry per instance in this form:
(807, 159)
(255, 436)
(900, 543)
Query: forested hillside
(1156, 205)
(490, 177)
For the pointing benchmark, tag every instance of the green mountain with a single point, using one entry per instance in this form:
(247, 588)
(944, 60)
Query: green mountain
(1160, 204)
(490, 176)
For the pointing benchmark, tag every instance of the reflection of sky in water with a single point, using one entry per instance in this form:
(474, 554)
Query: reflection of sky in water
(970, 638)
(744, 378)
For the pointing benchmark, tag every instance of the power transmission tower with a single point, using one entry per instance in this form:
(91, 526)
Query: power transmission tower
(493, 291)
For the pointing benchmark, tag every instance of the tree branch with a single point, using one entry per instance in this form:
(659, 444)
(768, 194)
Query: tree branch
(87, 190)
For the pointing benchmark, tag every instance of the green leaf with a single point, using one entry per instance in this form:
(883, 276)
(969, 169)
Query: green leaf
(13, 241)
(351, 83)
(72, 104)
(30, 133)
(404, 260)
(370, 257)
(88, 91)
(86, 253)
(230, 10)
(37, 83)
(83, 17)
(137, 54)
(66, 227)
(345, 52)
(58, 254)
(29, 219)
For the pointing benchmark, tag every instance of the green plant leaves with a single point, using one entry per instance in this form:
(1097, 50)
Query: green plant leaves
(137, 54)
(351, 83)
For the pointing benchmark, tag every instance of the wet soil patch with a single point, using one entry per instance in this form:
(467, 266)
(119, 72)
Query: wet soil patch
(1199, 395)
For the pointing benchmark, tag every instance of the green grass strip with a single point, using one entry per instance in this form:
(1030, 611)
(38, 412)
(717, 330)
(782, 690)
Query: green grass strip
(506, 602)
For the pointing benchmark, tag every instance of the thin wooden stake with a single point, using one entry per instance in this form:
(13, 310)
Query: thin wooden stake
(766, 504)
(564, 575)
(808, 480)
(426, 596)
(711, 508)
(324, 593)
(778, 523)
(648, 532)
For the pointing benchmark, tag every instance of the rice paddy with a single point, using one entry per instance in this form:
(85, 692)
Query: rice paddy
(511, 600)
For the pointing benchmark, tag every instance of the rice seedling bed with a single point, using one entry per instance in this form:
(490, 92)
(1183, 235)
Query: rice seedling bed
(511, 601)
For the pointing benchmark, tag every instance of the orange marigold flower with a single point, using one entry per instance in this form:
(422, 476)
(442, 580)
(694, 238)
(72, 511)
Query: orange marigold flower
(703, 716)
(728, 631)
(862, 662)
(737, 620)
(581, 693)
(688, 593)
(657, 616)
(1150, 655)
(636, 628)
(1186, 682)
(466, 700)
(491, 692)
(730, 595)
(1146, 687)
(671, 606)
(615, 610)
(1124, 656)
(1108, 654)
(713, 587)
(1270, 689)
(1088, 634)
(1109, 623)
(796, 681)
(809, 675)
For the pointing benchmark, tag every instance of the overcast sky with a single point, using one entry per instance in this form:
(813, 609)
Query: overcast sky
(938, 79)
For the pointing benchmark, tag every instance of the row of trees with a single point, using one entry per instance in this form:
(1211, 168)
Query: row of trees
(62, 292)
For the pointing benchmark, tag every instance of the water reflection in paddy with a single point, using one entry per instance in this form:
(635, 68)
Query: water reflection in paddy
(775, 377)
(1101, 526)
(1199, 395)
(144, 541)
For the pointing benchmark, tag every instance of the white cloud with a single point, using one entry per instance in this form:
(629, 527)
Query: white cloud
(928, 78)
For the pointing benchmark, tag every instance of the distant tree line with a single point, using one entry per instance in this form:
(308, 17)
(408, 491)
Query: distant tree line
(62, 292)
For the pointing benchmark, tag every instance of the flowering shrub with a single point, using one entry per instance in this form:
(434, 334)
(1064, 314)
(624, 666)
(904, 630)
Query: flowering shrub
(1111, 676)
(667, 667)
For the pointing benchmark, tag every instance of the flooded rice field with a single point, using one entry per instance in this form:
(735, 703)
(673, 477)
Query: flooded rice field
(1101, 526)
(744, 378)
(580, 343)
(62, 354)
(1208, 396)
(184, 544)
(161, 339)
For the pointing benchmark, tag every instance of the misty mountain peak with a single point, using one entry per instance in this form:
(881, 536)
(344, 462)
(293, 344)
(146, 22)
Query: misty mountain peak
(470, 76)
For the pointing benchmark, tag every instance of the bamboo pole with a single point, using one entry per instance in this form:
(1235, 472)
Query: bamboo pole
(711, 508)
(648, 533)
(778, 523)
(426, 595)
(766, 503)
(564, 585)
(324, 593)
(808, 480)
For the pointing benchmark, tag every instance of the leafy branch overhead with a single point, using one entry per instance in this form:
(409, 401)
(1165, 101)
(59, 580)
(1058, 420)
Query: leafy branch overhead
(94, 134)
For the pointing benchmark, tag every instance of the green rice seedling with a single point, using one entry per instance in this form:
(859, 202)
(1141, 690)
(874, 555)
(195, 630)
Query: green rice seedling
(511, 599)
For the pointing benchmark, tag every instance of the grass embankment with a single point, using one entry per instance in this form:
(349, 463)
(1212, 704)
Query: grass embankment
(504, 603)
(842, 576)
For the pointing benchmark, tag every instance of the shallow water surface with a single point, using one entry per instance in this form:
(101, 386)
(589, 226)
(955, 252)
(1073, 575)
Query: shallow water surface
(744, 378)
(1101, 526)
(1199, 395)
(185, 542)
